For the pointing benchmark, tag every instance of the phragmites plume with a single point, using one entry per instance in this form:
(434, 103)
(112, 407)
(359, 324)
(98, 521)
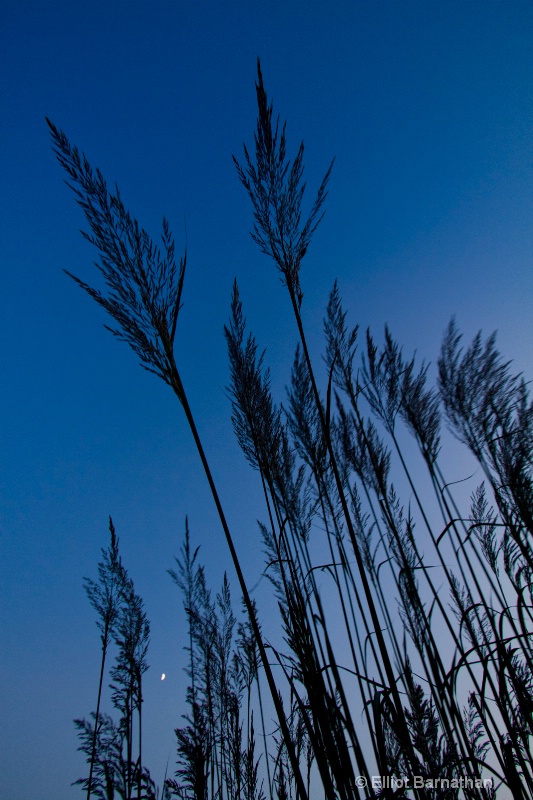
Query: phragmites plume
(144, 283)
(276, 188)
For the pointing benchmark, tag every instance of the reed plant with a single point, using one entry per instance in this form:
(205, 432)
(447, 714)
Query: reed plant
(114, 749)
(420, 624)
(216, 747)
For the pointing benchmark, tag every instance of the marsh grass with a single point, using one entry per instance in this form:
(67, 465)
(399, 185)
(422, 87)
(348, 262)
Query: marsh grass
(419, 660)
(114, 748)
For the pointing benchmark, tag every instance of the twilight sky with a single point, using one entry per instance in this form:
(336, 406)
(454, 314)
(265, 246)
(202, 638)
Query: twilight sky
(427, 108)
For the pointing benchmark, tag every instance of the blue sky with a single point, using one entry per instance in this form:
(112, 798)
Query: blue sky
(427, 108)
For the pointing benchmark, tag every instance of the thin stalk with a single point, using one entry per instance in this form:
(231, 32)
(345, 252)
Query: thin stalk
(300, 785)
(261, 712)
(139, 713)
(105, 637)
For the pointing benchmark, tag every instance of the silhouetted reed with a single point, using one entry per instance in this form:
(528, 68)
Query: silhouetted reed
(115, 764)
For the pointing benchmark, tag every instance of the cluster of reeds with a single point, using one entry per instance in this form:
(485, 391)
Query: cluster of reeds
(217, 747)
(114, 747)
(415, 619)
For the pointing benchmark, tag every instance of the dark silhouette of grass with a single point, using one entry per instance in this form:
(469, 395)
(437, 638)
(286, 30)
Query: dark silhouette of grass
(108, 745)
(433, 611)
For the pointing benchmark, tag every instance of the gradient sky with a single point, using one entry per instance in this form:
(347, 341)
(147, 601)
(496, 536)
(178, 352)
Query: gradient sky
(427, 108)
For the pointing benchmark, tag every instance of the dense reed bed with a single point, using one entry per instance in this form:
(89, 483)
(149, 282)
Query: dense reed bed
(410, 675)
